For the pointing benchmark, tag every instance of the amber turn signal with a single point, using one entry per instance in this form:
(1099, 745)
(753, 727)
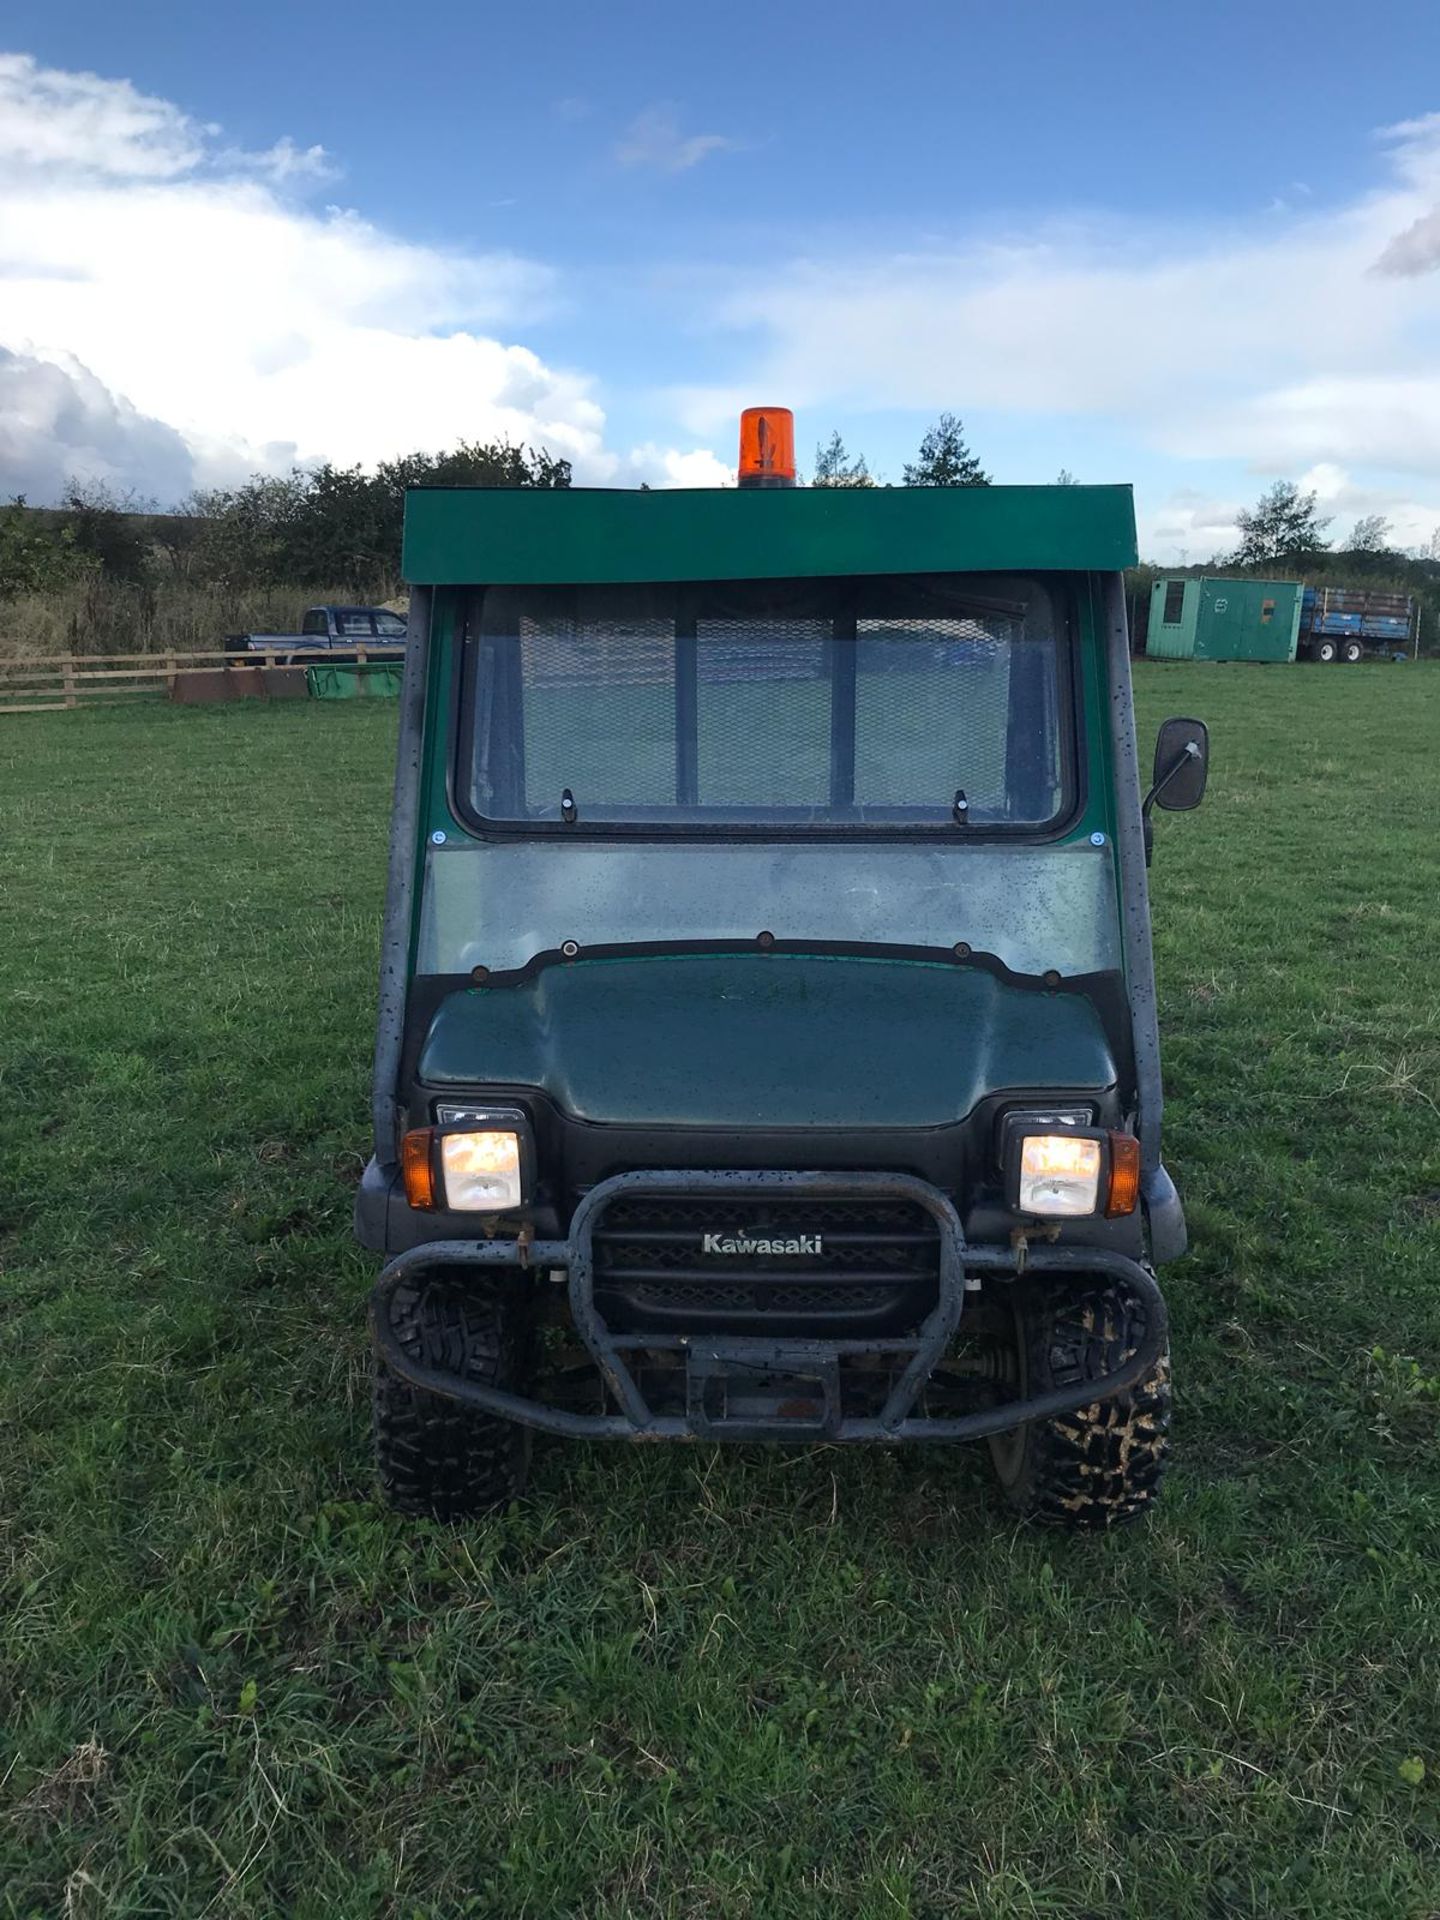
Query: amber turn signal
(1124, 1194)
(417, 1167)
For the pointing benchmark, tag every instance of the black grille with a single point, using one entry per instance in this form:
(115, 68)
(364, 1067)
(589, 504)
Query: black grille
(875, 1271)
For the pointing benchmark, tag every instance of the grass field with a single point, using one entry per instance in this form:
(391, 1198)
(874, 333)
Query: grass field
(681, 1682)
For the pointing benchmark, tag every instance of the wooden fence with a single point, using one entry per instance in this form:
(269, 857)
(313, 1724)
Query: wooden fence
(50, 684)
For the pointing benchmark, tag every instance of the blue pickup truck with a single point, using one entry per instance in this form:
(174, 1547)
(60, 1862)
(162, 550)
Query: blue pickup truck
(343, 631)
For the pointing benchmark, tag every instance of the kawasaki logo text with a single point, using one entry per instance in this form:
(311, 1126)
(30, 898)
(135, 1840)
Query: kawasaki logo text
(742, 1243)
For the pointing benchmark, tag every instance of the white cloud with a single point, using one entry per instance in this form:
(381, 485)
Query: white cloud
(1416, 250)
(653, 139)
(58, 422)
(668, 467)
(179, 283)
(285, 162)
(1346, 500)
(1141, 324)
(79, 123)
(1301, 336)
(55, 125)
(1187, 526)
(1193, 527)
(1380, 419)
(698, 468)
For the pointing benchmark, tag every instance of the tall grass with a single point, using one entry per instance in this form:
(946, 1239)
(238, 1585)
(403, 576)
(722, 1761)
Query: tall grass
(173, 616)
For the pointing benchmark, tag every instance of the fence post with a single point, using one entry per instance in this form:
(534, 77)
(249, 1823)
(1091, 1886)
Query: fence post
(68, 680)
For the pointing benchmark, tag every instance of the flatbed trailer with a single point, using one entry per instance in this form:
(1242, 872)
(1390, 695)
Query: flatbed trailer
(1351, 623)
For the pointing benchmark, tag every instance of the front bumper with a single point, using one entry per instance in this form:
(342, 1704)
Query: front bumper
(748, 1388)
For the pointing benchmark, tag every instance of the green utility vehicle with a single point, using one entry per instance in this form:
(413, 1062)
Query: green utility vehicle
(767, 1044)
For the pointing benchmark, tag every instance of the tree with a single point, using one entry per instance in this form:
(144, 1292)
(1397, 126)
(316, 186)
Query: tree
(945, 460)
(243, 538)
(329, 525)
(1065, 478)
(176, 538)
(1371, 535)
(1284, 526)
(835, 468)
(37, 554)
(111, 527)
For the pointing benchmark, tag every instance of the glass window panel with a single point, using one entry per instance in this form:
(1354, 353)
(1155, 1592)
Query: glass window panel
(845, 702)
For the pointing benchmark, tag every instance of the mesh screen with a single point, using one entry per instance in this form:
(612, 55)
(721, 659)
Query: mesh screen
(598, 700)
(763, 712)
(932, 698)
(831, 700)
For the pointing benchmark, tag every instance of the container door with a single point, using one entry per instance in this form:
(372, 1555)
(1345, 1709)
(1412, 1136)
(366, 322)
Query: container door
(1170, 633)
(1219, 624)
(1272, 625)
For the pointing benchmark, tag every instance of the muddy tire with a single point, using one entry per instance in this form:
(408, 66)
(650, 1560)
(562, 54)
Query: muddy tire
(434, 1456)
(1102, 1466)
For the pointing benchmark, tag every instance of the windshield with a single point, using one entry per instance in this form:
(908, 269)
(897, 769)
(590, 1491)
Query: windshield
(390, 626)
(875, 701)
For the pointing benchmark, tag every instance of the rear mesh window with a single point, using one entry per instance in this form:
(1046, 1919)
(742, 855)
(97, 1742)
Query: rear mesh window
(597, 701)
(832, 702)
(931, 706)
(763, 706)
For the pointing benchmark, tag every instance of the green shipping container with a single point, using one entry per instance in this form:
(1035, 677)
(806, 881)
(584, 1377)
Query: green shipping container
(1205, 619)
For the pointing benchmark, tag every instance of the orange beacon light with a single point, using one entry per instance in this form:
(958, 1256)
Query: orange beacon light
(767, 447)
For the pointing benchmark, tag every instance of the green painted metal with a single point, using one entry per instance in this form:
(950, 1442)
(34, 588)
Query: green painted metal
(766, 1040)
(1225, 619)
(376, 679)
(1173, 638)
(1248, 620)
(456, 536)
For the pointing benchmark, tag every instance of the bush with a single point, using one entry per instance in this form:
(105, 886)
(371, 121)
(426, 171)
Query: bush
(98, 616)
(36, 556)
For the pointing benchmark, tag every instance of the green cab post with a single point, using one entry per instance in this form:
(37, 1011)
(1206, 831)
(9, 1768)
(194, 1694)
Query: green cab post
(767, 1043)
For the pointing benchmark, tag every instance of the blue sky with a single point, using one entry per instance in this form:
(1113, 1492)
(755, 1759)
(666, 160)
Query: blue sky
(1176, 246)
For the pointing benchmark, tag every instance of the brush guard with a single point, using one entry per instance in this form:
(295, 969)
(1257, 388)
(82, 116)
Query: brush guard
(749, 1388)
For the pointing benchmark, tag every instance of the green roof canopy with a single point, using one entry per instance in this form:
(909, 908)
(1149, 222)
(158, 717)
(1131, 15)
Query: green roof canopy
(503, 536)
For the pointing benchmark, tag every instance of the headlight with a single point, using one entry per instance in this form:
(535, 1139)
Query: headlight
(1059, 1167)
(481, 1171)
(1059, 1174)
(478, 1160)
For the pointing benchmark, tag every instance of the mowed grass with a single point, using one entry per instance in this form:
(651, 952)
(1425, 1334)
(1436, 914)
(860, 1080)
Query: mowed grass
(685, 1681)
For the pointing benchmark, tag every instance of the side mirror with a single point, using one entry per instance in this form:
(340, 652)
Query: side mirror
(1182, 762)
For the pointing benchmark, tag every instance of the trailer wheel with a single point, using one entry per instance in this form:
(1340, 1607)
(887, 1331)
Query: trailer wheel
(1324, 649)
(436, 1457)
(1102, 1466)
(1354, 651)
